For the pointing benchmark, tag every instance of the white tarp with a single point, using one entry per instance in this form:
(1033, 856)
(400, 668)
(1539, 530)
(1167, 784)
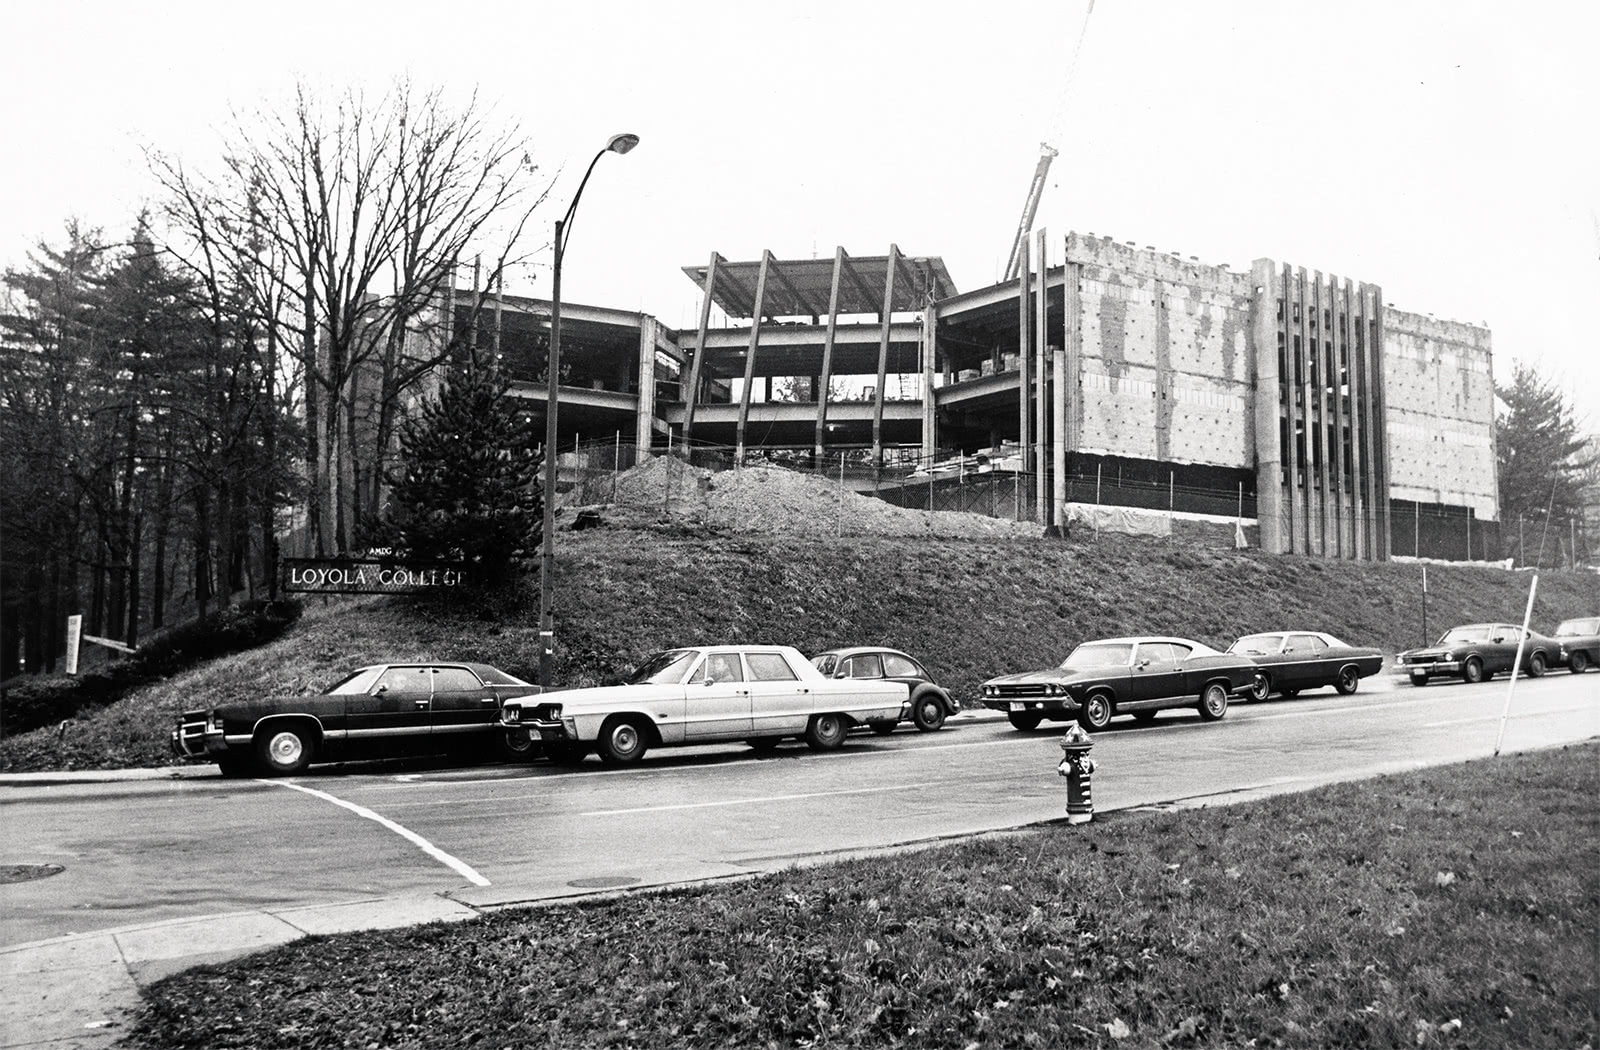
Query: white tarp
(1131, 520)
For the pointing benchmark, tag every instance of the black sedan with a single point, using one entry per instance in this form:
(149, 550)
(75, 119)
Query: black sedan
(1293, 661)
(930, 703)
(1580, 643)
(1123, 676)
(1479, 651)
(377, 711)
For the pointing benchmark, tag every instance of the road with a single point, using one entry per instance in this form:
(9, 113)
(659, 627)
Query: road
(147, 850)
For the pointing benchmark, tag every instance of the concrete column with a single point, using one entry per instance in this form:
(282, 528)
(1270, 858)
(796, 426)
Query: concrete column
(930, 404)
(1268, 395)
(644, 418)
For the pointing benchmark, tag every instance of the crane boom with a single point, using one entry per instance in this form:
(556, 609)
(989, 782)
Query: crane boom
(1047, 153)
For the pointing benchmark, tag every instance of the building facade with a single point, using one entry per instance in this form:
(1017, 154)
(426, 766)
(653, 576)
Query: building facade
(1297, 398)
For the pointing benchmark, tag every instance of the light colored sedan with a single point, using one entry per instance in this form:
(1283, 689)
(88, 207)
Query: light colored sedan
(760, 694)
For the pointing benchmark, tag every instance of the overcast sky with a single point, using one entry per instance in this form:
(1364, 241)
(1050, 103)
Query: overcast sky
(1446, 150)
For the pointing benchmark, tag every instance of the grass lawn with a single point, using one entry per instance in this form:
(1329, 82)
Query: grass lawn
(1453, 907)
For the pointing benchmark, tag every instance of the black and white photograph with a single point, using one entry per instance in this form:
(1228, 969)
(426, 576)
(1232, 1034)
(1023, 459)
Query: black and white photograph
(1053, 523)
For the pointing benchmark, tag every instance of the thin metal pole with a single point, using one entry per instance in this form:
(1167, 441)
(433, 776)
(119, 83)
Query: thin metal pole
(547, 559)
(1527, 614)
(616, 466)
(838, 524)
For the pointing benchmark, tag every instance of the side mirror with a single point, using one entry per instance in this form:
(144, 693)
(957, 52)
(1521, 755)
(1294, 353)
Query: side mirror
(384, 688)
(1141, 665)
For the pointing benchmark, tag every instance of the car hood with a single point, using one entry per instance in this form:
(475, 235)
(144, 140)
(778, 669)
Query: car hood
(607, 697)
(1059, 675)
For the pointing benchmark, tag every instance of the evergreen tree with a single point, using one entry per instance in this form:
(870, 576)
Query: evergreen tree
(1541, 452)
(470, 488)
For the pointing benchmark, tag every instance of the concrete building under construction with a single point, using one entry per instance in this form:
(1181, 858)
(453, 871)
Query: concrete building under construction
(1293, 397)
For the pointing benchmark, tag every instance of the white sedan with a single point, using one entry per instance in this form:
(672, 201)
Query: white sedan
(760, 694)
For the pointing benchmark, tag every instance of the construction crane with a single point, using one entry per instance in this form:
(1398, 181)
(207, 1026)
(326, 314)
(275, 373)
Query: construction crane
(1047, 153)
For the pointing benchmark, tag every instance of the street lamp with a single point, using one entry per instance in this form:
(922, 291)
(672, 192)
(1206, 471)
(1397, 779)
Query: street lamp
(547, 635)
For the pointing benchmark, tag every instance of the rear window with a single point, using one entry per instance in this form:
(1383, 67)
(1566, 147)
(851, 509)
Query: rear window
(454, 680)
(897, 666)
(769, 667)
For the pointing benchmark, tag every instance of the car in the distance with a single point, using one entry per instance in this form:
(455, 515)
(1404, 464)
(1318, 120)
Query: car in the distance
(1294, 661)
(1476, 652)
(1123, 676)
(931, 703)
(371, 712)
(1580, 643)
(761, 694)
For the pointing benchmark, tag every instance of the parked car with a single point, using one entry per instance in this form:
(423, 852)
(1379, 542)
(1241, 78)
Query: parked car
(1293, 661)
(1123, 676)
(760, 694)
(930, 703)
(1477, 652)
(376, 711)
(1580, 643)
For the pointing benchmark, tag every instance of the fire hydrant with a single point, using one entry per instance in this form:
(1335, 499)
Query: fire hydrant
(1076, 766)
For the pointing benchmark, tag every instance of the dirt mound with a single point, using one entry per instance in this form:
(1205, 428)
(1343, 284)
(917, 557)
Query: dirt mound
(775, 501)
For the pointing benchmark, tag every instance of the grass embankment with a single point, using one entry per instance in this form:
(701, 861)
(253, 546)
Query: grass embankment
(1454, 907)
(970, 609)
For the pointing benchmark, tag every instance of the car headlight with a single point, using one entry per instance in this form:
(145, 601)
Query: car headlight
(511, 714)
(214, 722)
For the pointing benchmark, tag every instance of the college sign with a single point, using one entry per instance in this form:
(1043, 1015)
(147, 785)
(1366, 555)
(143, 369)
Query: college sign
(366, 576)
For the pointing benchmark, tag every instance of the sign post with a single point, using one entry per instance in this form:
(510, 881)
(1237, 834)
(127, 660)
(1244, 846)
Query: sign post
(74, 640)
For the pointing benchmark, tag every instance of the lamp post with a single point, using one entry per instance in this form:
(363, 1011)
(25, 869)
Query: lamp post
(547, 635)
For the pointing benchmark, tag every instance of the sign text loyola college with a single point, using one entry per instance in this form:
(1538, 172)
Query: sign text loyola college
(360, 576)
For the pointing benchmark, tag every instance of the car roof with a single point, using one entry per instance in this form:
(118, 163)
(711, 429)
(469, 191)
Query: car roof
(1133, 639)
(854, 650)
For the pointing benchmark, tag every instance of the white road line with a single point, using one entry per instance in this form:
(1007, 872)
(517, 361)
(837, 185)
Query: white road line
(410, 836)
(760, 800)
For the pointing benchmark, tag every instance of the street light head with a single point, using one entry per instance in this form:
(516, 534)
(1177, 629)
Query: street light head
(622, 143)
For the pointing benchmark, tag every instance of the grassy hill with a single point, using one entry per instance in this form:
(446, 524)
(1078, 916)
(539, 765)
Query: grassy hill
(970, 609)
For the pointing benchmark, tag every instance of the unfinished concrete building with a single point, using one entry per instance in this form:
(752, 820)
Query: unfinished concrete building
(1112, 374)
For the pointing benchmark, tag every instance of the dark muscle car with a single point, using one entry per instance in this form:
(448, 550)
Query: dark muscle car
(930, 703)
(1123, 676)
(1580, 643)
(1479, 651)
(373, 711)
(1293, 661)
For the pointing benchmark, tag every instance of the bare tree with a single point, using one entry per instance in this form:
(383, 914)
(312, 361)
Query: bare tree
(367, 206)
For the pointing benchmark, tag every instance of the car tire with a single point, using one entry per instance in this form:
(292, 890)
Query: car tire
(233, 765)
(826, 732)
(623, 741)
(1578, 662)
(1213, 702)
(1026, 721)
(1536, 665)
(515, 745)
(764, 745)
(1349, 681)
(1473, 671)
(1288, 694)
(928, 713)
(1096, 712)
(1419, 679)
(283, 750)
(1260, 687)
(566, 753)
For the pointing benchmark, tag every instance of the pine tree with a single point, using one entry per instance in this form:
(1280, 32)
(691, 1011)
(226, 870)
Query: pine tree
(470, 488)
(1540, 451)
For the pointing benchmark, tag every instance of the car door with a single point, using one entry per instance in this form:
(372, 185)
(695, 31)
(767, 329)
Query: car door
(1500, 651)
(717, 700)
(1157, 672)
(779, 701)
(461, 702)
(1299, 668)
(399, 704)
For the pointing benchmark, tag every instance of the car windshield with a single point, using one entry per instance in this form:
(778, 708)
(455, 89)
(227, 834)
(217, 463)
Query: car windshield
(1573, 628)
(1257, 643)
(664, 668)
(1100, 654)
(1457, 635)
(359, 681)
